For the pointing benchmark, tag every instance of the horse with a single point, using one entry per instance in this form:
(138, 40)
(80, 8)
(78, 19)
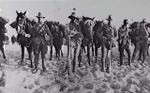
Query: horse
(2, 38)
(87, 25)
(97, 37)
(23, 27)
(57, 32)
(106, 44)
(141, 43)
(13, 39)
(73, 37)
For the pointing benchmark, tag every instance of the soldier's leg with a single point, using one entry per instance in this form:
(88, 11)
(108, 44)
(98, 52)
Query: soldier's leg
(128, 50)
(121, 50)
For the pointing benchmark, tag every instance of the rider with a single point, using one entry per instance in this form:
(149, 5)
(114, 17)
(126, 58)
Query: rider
(73, 17)
(74, 23)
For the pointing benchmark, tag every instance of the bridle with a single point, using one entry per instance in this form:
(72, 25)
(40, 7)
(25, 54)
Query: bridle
(21, 25)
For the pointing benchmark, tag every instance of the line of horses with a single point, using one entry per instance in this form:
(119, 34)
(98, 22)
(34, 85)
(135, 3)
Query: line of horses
(88, 34)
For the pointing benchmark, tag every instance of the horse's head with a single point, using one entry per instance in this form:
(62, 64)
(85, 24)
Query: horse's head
(98, 24)
(21, 20)
(134, 25)
(20, 17)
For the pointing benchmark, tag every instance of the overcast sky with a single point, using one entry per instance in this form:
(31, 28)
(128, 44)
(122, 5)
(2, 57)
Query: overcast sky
(58, 10)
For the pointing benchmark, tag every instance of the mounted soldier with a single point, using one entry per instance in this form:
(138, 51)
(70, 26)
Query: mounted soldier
(74, 23)
(124, 41)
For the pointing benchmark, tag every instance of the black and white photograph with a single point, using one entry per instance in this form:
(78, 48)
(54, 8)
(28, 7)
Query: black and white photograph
(74, 46)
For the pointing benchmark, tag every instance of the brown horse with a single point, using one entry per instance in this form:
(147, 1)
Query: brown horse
(23, 27)
(106, 44)
(74, 39)
(2, 36)
(57, 31)
(87, 25)
(97, 37)
(141, 43)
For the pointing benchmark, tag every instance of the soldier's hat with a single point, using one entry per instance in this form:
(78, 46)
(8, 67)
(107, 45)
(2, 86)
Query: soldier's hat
(40, 15)
(125, 21)
(109, 18)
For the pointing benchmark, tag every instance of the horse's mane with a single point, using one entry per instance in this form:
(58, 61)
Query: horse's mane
(134, 25)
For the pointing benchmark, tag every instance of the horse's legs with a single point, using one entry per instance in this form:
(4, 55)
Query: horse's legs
(80, 56)
(129, 55)
(144, 54)
(96, 53)
(61, 52)
(140, 54)
(74, 59)
(51, 51)
(22, 55)
(92, 50)
(88, 55)
(29, 49)
(137, 48)
(67, 68)
(144, 51)
(2, 49)
(103, 58)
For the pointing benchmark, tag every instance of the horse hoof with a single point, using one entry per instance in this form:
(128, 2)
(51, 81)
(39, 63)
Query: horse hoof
(103, 70)
(34, 71)
(31, 66)
(73, 71)
(44, 69)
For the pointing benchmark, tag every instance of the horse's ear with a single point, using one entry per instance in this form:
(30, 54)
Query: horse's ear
(25, 12)
(102, 21)
(57, 23)
(17, 12)
(93, 18)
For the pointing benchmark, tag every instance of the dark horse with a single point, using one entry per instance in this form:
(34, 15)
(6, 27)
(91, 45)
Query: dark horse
(97, 37)
(2, 38)
(57, 31)
(140, 42)
(87, 25)
(74, 37)
(23, 27)
(106, 44)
